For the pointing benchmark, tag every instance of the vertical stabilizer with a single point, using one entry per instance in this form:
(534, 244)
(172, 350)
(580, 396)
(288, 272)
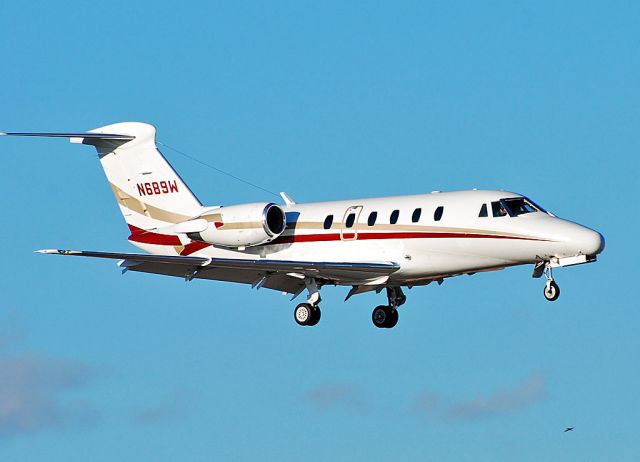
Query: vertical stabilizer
(149, 191)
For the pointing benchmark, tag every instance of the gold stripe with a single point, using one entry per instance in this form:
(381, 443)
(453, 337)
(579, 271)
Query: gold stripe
(245, 225)
(136, 205)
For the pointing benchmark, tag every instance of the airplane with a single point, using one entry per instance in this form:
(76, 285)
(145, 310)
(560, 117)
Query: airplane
(383, 244)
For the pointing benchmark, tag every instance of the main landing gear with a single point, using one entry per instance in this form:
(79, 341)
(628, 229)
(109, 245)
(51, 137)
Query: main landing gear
(308, 314)
(383, 316)
(551, 289)
(386, 317)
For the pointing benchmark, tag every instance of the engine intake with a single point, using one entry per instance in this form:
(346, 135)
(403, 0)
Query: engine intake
(242, 225)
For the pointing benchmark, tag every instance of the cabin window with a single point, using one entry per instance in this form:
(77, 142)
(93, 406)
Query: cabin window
(437, 215)
(351, 218)
(372, 218)
(415, 217)
(394, 217)
(498, 209)
(483, 211)
(328, 222)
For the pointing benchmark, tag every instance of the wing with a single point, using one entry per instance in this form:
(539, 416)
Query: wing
(282, 275)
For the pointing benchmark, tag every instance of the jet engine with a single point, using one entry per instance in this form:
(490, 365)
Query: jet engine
(243, 225)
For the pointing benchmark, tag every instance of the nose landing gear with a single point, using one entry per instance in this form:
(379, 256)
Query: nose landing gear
(551, 289)
(386, 317)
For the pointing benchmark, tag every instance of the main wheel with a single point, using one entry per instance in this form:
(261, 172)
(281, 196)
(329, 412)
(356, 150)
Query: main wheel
(552, 291)
(315, 316)
(303, 314)
(381, 316)
(393, 319)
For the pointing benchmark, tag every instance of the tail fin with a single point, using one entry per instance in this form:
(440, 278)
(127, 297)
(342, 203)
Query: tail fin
(149, 192)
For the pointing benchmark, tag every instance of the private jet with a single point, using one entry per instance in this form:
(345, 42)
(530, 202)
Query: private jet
(383, 244)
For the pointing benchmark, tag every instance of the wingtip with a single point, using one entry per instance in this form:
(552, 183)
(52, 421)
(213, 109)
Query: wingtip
(47, 251)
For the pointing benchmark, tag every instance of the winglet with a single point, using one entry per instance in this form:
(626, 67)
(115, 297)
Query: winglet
(59, 252)
(47, 251)
(285, 197)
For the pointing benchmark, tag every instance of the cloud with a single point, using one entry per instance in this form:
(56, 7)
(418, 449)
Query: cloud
(175, 407)
(32, 394)
(34, 387)
(157, 414)
(328, 396)
(499, 402)
(502, 401)
(429, 402)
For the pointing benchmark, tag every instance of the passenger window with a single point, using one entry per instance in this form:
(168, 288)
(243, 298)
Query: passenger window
(483, 211)
(416, 215)
(328, 222)
(372, 218)
(437, 215)
(394, 217)
(351, 218)
(498, 210)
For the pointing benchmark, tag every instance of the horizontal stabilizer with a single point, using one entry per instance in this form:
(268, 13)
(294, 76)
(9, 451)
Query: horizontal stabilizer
(98, 136)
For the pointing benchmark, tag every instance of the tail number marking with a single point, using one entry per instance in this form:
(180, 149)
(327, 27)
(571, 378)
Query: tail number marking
(157, 187)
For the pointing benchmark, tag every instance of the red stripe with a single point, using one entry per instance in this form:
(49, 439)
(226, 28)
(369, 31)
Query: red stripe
(193, 247)
(149, 237)
(404, 235)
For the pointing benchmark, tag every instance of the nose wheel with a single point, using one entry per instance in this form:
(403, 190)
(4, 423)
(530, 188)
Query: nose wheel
(551, 289)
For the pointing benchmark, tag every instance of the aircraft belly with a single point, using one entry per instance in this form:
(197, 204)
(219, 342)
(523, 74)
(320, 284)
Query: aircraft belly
(433, 257)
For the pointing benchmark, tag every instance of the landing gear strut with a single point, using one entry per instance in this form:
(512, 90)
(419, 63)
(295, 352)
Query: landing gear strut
(551, 289)
(308, 314)
(384, 316)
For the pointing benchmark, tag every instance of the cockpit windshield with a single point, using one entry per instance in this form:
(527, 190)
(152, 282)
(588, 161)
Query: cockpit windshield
(520, 205)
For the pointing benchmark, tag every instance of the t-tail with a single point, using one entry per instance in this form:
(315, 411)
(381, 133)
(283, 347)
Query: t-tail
(149, 192)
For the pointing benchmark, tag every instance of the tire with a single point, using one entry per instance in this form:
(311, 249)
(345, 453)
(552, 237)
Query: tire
(380, 316)
(315, 316)
(552, 292)
(303, 314)
(393, 319)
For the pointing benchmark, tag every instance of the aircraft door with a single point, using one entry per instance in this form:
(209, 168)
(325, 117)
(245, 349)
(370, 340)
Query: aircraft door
(349, 227)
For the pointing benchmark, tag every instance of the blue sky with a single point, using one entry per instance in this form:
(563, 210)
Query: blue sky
(325, 101)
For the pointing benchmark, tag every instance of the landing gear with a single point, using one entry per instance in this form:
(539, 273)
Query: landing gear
(551, 289)
(308, 314)
(386, 317)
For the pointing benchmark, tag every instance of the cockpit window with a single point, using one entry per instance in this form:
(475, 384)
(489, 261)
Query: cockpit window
(498, 210)
(519, 206)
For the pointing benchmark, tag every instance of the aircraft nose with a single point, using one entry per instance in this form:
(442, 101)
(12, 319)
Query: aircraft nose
(589, 242)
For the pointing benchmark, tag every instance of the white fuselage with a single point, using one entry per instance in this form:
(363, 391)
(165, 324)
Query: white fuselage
(427, 246)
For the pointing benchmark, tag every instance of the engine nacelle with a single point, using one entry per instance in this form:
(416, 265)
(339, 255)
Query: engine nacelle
(241, 225)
